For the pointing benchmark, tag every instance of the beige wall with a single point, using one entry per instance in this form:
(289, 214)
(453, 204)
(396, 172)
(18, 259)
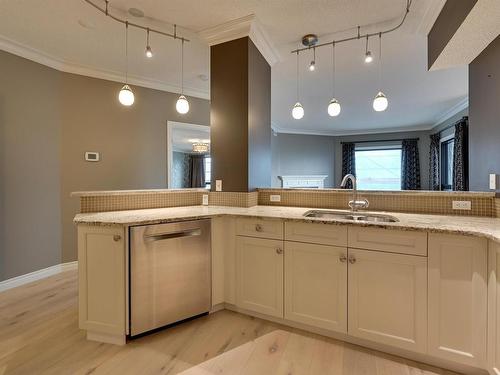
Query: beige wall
(48, 120)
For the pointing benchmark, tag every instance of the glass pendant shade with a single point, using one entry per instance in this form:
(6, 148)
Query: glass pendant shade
(380, 103)
(334, 108)
(149, 52)
(312, 66)
(126, 96)
(297, 111)
(182, 105)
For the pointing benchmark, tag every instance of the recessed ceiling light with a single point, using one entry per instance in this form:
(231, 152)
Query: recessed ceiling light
(86, 24)
(136, 12)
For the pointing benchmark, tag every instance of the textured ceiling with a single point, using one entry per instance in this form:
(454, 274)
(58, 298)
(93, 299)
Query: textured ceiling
(53, 28)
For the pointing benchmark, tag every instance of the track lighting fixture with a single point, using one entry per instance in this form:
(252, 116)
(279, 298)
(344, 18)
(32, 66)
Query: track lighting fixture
(334, 106)
(126, 96)
(380, 103)
(297, 110)
(182, 105)
(368, 54)
(149, 51)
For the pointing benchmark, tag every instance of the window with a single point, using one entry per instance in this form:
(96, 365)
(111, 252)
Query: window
(446, 169)
(208, 171)
(378, 168)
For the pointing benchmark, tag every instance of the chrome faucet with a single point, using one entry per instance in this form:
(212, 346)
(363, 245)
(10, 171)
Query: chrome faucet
(355, 204)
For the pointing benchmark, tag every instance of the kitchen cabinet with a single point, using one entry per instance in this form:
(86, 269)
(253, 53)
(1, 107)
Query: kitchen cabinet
(316, 285)
(458, 298)
(259, 275)
(494, 307)
(388, 298)
(102, 282)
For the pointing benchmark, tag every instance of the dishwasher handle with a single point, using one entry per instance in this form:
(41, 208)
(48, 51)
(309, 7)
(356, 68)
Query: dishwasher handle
(169, 236)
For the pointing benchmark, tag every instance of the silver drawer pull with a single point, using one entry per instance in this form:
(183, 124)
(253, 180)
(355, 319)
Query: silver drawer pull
(258, 228)
(169, 236)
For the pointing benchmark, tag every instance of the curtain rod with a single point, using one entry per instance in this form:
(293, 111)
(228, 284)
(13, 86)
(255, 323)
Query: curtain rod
(383, 140)
(452, 125)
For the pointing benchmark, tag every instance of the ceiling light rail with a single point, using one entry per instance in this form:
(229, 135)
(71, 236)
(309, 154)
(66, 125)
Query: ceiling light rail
(358, 35)
(106, 12)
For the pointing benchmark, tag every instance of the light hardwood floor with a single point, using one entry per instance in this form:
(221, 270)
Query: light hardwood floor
(39, 335)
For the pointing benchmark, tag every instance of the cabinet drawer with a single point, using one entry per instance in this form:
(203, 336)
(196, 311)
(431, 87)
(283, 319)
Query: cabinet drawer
(323, 234)
(272, 229)
(388, 240)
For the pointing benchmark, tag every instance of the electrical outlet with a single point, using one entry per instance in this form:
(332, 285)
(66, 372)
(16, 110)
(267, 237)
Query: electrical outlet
(218, 185)
(275, 198)
(461, 205)
(204, 199)
(493, 181)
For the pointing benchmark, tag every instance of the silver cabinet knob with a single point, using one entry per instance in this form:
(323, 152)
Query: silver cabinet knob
(352, 259)
(117, 237)
(258, 228)
(343, 258)
(279, 251)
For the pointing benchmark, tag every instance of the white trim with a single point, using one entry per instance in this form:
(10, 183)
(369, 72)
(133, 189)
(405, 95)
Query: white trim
(460, 106)
(37, 275)
(65, 66)
(430, 16)
(239, 28)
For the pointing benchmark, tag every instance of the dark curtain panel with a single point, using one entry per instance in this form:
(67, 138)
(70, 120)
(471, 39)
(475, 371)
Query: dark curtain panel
(460, 156)
(197, 171)
(410, 165)
(434, 180)
(348, 161)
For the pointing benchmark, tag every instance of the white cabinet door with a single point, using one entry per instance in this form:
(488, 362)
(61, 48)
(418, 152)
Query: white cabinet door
(457, 298)
(259, 274)
(102, 280)
(494, 308)
(316, 285)
(388, 298)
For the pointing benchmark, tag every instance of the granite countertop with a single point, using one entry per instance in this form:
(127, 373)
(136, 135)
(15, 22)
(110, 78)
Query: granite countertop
(478, 226)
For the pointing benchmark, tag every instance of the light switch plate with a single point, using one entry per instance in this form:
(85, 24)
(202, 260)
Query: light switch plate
(493, 181)
(275, 198)
(462, 205)
(204, 199)
(218, 185)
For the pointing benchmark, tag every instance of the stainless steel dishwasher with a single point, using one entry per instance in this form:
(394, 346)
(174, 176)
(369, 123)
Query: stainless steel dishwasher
(170, 273)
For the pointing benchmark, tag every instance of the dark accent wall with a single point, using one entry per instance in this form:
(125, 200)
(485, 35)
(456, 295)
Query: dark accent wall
(240, 116)
(449, 20)
(484, 116)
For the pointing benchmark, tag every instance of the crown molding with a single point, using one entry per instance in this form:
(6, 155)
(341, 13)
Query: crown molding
(40, 57)
(240, 28)
(460, 106)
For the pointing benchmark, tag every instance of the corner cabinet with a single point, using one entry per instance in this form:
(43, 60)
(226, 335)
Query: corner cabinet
(316, 285)
(102, 283)
(458, 298)
(388, 298)
(259, 275)
(494, 308)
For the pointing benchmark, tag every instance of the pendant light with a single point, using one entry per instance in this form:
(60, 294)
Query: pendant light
(149, 51)
(368, 54)
(334, 106)
(380, 103)
(312, 65)
(182, 105)
(297, 110)
(126, 96)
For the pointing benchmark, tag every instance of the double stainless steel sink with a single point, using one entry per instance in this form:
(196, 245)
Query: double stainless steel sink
(351, 215)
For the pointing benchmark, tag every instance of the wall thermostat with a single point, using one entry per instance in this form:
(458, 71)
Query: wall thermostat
(91, 156)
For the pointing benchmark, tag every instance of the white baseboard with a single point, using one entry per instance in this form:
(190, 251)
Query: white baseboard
(37, 275)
